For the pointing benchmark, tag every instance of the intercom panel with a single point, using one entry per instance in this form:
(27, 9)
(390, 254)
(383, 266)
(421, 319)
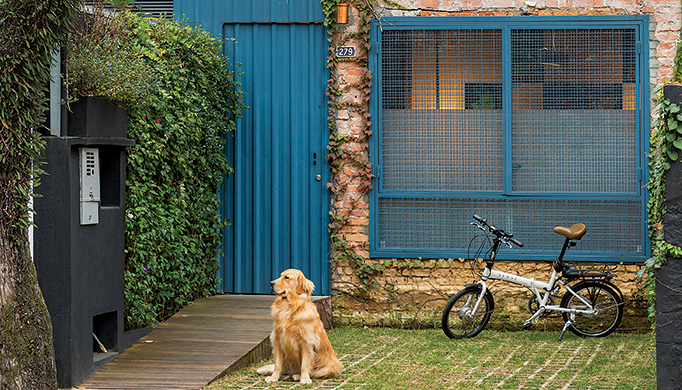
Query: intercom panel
(90, 185)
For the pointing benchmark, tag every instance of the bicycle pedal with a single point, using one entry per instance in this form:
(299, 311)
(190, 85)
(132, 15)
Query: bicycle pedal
(527, 325)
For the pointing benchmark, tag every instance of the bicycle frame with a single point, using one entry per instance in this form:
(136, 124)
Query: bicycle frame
(534, 285)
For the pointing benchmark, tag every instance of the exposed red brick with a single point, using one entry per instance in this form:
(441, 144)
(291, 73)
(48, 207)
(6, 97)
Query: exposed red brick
(359, 221)
(471, 4)
(498, 3)
(360, 213)
(664, 46)
(588, 3)
(352, 229)
(665, 72)
(427, 3)
(665, 36)
(674, 3)
(355, 71)
(356, 237)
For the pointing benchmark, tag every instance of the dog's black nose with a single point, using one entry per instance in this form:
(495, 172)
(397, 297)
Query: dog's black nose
(272, 286)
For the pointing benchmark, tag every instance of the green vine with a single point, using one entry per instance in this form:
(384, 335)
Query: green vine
(666, 145)
(350, 190)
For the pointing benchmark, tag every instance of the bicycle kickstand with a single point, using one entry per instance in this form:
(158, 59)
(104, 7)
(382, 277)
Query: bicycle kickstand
(566, 325)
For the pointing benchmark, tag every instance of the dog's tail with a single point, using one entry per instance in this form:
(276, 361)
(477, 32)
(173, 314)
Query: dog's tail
(329, 371)
(266, 370)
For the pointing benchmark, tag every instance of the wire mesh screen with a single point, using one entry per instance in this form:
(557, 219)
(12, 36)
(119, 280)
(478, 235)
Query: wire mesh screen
(443, 224)
(442, 110)
(574, 126)
(563, 125)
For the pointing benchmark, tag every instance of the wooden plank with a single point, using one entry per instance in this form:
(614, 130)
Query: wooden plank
(196, 346)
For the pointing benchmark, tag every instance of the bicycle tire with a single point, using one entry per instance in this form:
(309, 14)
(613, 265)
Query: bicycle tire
(457, 322)
(608, 301)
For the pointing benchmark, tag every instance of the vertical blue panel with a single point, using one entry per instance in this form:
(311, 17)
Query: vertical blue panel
(244, 160)
(263, 122)
(226, 270)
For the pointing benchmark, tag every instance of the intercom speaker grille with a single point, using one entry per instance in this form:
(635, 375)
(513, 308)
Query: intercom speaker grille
(90, 162)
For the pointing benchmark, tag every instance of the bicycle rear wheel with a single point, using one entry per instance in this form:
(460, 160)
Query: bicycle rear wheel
(607, 304)
(459, 320)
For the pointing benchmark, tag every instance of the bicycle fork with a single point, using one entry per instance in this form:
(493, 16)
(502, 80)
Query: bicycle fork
(484, 288)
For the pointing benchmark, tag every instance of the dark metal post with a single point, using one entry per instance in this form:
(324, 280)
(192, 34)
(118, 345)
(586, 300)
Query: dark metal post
(78, 255)
(669, 278)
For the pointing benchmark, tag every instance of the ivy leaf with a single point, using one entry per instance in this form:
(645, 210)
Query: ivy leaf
(671, 137)
(672, 155)
(674, 108)
(678, 143)
(672, 123)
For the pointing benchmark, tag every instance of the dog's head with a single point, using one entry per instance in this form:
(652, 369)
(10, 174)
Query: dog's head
(292, 282)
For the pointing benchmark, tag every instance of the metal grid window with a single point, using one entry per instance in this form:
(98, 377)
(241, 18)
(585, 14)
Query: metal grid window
(531, 123)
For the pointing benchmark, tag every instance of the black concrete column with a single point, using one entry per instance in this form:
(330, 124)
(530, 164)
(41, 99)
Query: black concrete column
(669, 278)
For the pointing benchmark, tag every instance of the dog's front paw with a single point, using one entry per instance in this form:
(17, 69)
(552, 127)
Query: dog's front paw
(272, 378)
(305, 379)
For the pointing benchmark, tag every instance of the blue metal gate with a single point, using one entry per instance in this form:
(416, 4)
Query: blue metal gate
(276, 200)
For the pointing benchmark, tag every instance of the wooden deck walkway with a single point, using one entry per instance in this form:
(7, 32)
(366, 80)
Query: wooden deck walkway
(204, 341)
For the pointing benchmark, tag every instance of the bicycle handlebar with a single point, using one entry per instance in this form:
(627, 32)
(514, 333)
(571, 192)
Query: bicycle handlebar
(516, 242)
(501, 234)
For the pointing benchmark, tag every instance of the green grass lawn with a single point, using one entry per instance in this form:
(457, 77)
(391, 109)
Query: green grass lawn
(382, 358)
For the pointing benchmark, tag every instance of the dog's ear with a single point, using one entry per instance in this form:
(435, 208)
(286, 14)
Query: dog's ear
(305, 286)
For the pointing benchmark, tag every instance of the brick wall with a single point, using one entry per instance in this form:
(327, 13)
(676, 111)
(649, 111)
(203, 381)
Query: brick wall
(416, 296)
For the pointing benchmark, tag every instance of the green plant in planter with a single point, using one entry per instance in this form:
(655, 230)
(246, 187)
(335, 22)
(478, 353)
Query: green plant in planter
(102, 60)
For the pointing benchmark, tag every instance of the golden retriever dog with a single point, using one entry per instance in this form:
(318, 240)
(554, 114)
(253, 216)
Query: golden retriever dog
(299, 342)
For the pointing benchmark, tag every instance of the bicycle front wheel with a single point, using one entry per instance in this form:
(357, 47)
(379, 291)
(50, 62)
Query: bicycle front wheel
(607, 305)
(459, 319)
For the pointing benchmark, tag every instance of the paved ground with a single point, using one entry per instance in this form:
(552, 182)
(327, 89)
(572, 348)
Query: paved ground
(564, 367)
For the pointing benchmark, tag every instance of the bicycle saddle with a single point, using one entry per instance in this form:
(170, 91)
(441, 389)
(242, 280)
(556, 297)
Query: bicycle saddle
(574, 232)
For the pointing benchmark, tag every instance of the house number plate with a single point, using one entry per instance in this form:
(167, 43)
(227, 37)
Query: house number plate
(345, 51)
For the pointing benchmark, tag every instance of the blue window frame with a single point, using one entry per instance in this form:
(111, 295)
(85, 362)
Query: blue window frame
(531, 122)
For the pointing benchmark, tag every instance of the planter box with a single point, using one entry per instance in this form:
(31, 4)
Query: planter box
(98, 118)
